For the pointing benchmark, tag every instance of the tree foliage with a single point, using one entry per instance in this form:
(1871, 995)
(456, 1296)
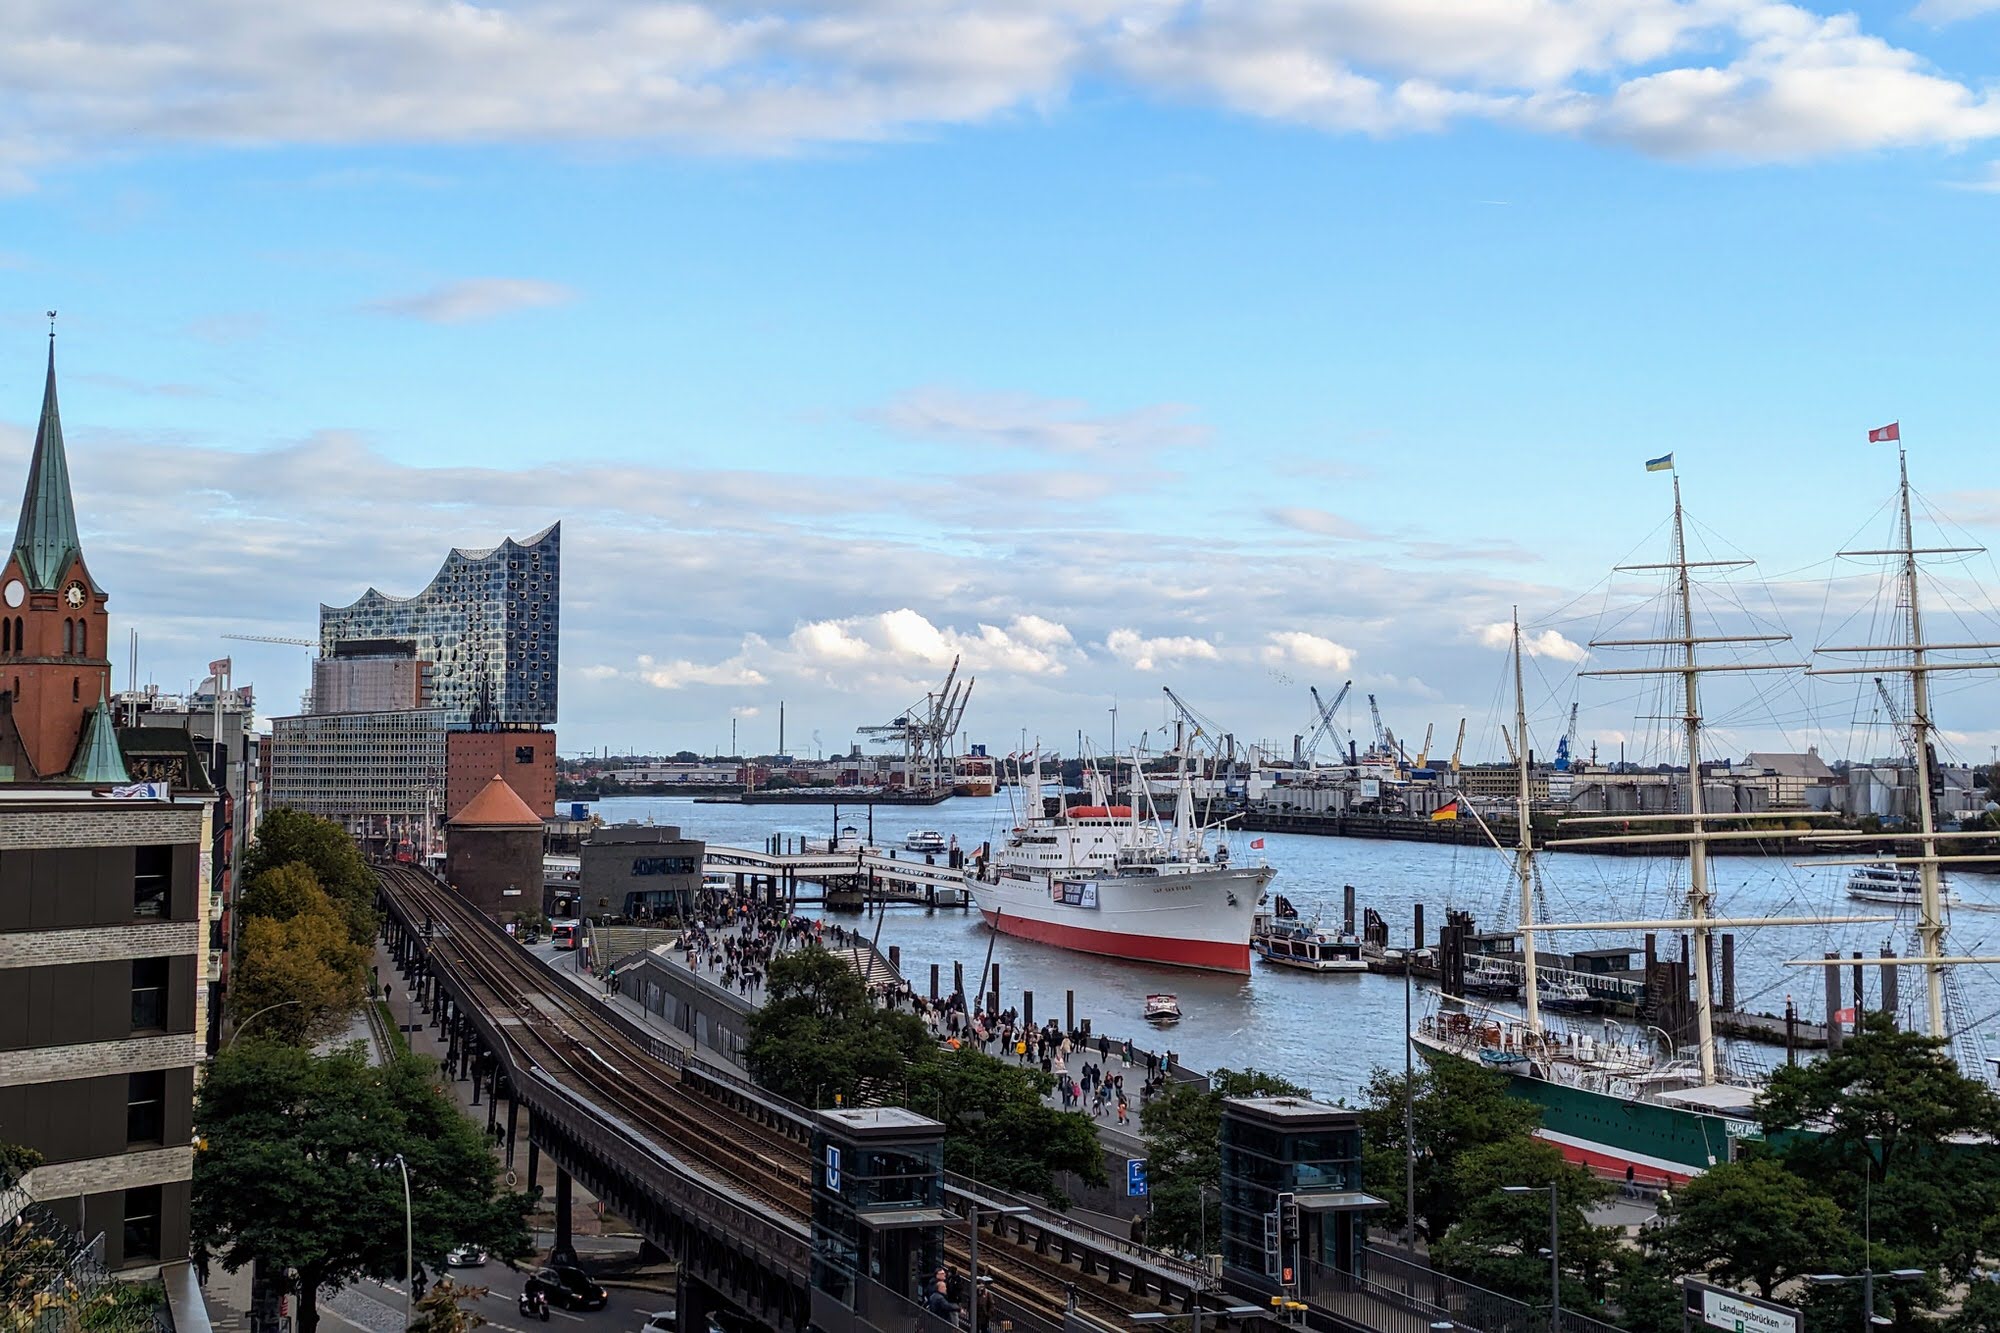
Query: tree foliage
(1754, 1225)
(1500, 1239)
(297, 962)
(1182, 1128)
(1457, 1108)
(290, 836)
(818, 1038)
(296, 1169)
(442, 1309)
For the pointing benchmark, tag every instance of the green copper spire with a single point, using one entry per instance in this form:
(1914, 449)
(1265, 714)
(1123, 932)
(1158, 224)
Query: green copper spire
(46, 539)
(99, 761)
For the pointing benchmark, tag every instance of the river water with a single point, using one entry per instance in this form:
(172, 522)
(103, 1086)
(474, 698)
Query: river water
(1328, 1031)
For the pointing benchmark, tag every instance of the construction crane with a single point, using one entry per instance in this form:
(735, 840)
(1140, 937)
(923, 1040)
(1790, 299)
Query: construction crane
(927, 729)
(1459, 748)
(305, 699)
(1328, 723)
(1565, 741)
(1904, 732)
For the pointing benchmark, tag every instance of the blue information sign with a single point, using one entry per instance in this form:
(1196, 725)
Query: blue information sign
(833, 1168)
(1135, 1176)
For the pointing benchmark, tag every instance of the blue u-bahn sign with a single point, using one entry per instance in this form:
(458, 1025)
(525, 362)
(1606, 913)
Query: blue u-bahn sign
(1135, 1177)
(833, 1168)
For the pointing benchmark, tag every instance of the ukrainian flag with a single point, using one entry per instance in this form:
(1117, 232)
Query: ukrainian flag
(1664, 463)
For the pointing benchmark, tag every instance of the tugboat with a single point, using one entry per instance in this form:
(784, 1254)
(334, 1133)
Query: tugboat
(1163, 1008)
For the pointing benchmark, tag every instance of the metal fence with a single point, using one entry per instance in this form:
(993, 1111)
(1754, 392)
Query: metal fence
(1414, 1297)
(53, 1280)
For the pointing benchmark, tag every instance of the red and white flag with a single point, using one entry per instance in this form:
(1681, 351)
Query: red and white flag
(1256, 844)
(1892, 431)
(1843, 1016)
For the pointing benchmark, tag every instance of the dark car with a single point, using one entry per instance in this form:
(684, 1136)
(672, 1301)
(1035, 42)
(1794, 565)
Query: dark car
(568, 1287)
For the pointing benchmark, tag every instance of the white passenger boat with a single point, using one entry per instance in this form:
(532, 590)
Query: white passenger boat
(1163, 1008)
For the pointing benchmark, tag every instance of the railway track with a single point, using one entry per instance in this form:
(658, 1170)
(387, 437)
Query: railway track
(563, 1034)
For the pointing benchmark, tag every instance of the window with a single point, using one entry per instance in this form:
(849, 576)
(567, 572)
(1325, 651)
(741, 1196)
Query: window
(82, 638)
(76, 689)
(6, 634)
(69, 634)
(145, 1102)
(149, 994)
(142, 1223)
(152, 880)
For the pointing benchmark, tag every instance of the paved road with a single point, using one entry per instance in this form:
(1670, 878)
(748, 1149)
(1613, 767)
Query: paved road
(377, 1307)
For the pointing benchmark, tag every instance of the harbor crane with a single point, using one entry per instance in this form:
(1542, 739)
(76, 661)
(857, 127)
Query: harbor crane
(928, 728)
(1191, 725)
(1905, 733)
(1458, 749)
(1385, 741)
(1424, 755)
(1328, 724)
(1567, 739)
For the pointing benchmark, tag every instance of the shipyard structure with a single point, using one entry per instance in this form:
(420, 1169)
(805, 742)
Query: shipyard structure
(419, 703)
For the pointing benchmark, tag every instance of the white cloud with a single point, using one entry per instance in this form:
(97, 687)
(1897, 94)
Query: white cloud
(1987, 182)
(1741, 79)
(1144, 654)
(1319, 523)
(470, 300)
(1061, 426)
(681, 673)
(1549, 643)
(904, 640)
(1308, 650)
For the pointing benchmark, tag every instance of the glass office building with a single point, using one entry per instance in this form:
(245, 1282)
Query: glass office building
(487, 626)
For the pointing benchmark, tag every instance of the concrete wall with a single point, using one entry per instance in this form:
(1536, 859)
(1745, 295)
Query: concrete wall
(718, 1020)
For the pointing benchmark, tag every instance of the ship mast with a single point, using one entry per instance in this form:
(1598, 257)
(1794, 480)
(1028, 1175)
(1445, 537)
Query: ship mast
(1524, 845)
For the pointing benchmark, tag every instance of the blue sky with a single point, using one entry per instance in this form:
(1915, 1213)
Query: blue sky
(1110, 342)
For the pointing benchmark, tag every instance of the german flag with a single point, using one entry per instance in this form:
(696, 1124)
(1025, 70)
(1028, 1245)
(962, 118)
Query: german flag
(1449, 810)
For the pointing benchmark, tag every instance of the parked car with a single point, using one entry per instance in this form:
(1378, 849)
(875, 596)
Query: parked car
(660, 1321)
(465, 1256)
(569, 1287)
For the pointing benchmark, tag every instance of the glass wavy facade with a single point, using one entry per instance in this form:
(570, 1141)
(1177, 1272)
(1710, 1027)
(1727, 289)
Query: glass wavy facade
(489, 621)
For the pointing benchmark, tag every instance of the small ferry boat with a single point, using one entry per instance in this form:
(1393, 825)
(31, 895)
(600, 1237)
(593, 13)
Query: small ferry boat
(1492, 982)
(925, 840)
(1289, 942)
(1901, 885)
(1566, 997)
(1163, 1008)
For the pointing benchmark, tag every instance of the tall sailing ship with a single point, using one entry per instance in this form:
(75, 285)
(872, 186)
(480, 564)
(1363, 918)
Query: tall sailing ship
(1102, 879)
(1619, 1105)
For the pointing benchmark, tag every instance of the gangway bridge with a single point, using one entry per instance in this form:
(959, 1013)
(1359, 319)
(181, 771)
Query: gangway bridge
(884, 875)
(729, 1179)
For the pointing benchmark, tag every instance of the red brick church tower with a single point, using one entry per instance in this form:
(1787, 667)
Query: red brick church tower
(53, 625)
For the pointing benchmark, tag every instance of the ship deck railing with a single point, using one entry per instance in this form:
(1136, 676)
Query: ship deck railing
(1597, 983)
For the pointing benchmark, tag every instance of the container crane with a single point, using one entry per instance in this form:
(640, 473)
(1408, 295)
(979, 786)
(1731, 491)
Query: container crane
(927, 729)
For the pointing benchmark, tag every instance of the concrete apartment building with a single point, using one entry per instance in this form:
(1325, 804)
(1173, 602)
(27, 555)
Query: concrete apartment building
(105, 912)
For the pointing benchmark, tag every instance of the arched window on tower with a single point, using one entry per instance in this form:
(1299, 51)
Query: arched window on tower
(20, 644)
(69, 635)
(6, 634)
(76, 689)
(82, 637)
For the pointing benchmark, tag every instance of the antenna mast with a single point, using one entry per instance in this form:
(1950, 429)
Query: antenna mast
(1524, 842)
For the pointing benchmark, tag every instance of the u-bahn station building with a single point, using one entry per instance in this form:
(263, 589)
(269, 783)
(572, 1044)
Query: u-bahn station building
(108, 937)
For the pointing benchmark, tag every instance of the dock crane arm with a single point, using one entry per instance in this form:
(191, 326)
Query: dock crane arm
(1382, 736)
(1328, 723)
(1459, 748)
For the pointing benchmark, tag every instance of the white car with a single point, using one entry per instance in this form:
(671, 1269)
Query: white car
(660, 1321)
(465, 1256)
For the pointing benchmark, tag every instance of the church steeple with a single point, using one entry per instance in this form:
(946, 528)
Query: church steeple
(45, 542)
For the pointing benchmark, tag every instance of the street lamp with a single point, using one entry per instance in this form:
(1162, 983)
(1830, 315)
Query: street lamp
(409, 1242)
(972, 1212)
(1555, 1260)
(253, 1018)
(1866, 1277)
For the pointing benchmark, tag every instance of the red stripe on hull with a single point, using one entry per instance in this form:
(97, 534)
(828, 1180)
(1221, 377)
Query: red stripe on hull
(1610, 1164)
(1210, 955)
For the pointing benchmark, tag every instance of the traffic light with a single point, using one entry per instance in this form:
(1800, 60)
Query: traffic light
(1288, 1238)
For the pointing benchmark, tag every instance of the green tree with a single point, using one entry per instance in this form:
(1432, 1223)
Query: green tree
(1182, 1128)
(286, 836)
(306, 971)
(285, 891)
(1500, 1239)
(296, 1169)
(818, 1037)
(998, 1130)
(16, 1161)
(1884, 1126)
(1458, 1106)
(1753, 1224)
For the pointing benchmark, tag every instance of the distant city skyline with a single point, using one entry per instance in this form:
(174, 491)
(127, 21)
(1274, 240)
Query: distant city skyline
(1109, 344)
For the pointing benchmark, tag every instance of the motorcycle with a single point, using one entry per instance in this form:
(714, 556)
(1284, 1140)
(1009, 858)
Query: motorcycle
(535, 1303)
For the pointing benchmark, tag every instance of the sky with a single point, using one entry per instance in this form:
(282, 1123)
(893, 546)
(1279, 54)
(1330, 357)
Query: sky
(1236, 347)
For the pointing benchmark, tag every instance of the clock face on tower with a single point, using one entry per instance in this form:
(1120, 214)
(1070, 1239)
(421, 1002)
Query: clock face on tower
(16, 591)
(75, 594)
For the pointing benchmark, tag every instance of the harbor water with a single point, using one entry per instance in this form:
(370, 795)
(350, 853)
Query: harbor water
(1328, 1031)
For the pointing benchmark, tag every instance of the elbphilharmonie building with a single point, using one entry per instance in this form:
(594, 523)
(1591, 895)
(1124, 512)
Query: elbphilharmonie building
(486, 630)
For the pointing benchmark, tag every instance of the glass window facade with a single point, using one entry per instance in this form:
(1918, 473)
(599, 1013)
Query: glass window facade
(1261, 1160)
(869, 1178)
(487, 625)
